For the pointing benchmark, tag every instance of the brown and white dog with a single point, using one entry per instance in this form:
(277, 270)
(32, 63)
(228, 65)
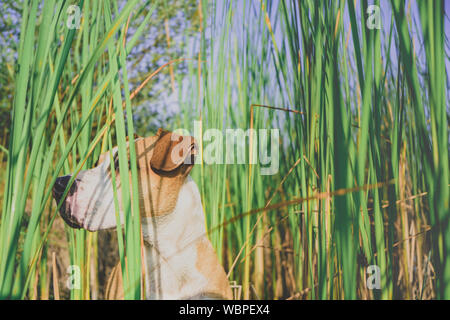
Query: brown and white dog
(180, 262)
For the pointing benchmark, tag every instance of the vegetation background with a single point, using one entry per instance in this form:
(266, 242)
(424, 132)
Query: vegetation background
(363, 114)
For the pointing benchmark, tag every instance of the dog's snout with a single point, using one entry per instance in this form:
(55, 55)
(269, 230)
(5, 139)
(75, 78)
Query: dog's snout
(58, 191)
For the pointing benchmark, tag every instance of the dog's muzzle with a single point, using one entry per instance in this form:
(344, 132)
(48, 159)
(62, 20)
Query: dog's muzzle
(65, 209)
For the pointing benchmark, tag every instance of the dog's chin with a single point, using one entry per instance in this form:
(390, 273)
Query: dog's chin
(70, 220)
(66, 213)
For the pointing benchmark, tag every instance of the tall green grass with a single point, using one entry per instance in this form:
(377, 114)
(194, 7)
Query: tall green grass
(355, 133)
(62, 89)
(363, 177)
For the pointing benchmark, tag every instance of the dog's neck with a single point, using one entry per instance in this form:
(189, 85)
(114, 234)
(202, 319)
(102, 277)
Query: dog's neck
(172, 249)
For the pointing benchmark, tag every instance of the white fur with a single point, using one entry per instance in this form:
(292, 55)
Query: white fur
(170, 248)
(94, 204)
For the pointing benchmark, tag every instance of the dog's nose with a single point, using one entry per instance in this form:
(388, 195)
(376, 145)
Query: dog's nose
(61, 184)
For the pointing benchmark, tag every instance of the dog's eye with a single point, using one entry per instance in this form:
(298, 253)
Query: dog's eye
(116, 163)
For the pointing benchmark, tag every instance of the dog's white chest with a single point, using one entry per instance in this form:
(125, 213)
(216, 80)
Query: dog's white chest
(171, 255)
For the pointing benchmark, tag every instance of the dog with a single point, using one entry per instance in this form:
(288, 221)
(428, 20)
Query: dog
(179, 260)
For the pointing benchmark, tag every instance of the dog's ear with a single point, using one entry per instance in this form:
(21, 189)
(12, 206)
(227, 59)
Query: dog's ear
(171, 151)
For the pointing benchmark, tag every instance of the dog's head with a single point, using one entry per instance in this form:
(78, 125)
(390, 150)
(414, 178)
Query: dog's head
(163, 163)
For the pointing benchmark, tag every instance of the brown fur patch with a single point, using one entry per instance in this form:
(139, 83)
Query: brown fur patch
(208, 265)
